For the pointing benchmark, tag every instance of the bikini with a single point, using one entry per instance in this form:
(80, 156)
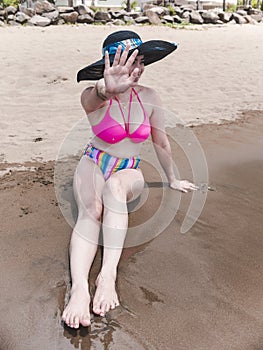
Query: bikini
(110, 131)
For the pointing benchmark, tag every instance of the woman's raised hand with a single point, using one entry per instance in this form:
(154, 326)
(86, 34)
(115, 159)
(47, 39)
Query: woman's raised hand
(117, 78)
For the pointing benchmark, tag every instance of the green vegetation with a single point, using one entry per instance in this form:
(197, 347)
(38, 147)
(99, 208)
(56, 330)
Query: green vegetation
(171, 10)
(7, 3)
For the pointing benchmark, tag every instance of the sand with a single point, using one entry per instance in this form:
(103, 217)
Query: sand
(199, 290)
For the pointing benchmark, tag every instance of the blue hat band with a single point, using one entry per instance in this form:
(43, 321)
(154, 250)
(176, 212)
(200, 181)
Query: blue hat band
(112, 48)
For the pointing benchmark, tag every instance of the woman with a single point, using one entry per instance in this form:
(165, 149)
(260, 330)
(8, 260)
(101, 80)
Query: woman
(122, 115)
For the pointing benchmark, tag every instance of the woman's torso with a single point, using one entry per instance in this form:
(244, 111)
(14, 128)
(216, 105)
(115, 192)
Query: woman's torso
(137, 113)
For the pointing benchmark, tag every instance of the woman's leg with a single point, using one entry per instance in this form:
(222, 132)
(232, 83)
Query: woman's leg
(88, 186)
(121, 187)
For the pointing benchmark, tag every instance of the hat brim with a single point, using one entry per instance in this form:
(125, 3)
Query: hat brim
(152, 50)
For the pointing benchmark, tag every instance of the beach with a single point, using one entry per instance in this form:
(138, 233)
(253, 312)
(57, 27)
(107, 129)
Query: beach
(178, 291)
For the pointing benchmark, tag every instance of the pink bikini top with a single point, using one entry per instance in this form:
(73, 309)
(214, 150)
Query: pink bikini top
(110, 131)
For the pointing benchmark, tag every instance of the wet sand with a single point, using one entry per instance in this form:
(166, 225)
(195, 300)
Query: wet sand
(200, 290)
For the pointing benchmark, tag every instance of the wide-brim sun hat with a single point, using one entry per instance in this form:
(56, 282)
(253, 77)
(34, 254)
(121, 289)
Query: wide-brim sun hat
(152, 50)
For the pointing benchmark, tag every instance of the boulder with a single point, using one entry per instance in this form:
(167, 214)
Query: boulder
(153, 17)
(102, 16)
(161, 11)
(84, 10)
(168, 19)
(178, 10)
(242, 12)
(210, 17)
(257, 17)
(69, 17)
(39, 21)
(196, 18)
(239, 19)
(10, 10)
(133, 14)
(21, 17)
(250, 20)
(43, 6)
(53, 16)
(177, 19)
(65, 9)
(252, 11)
(26, 10)
(186, 17)
(128, 19)
(14, 24)
(142, 19)
(2, 24)
(85, 19)
(225, 16)
(10, 18)
(118, 22)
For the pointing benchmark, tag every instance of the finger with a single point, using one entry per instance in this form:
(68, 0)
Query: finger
(107, 60)
(134, 75)
(124, 55)
(117, 56)
(131, 59)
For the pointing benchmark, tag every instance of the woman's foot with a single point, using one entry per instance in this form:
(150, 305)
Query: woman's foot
(105, 297)
(77, 310)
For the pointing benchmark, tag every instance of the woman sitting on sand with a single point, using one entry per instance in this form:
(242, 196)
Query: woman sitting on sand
(108, 174)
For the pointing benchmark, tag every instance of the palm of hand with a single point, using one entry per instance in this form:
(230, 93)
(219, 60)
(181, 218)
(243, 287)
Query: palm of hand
(117, 79)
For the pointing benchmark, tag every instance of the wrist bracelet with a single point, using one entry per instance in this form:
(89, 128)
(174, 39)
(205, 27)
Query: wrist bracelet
(100, 94)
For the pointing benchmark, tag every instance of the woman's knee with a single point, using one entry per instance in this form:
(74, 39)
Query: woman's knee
(92, 209)
(114, 189)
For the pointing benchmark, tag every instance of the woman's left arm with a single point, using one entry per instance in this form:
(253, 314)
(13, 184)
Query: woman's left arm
(163, 148)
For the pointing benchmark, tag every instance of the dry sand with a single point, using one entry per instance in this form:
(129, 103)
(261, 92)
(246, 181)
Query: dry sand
(201, 290)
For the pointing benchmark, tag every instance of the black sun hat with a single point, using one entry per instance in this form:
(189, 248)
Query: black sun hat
(153, 50)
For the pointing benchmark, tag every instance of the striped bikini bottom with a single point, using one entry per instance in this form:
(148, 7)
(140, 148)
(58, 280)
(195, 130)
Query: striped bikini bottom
(110, 164)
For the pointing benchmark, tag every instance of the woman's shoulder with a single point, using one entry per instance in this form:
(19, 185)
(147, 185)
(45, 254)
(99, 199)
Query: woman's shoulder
(148, 94)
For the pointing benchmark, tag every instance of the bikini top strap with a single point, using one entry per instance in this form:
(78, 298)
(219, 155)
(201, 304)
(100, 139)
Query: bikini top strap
(138, 98)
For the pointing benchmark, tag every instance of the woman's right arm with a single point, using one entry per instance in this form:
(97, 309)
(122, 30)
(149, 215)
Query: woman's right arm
(94, 97)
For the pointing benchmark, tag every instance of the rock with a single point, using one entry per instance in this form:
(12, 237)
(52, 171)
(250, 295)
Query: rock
(102, 16)
(178, 10)
(189, 8)
(168, 19)
(242, 12)
(43, 6)
(239, 19)
(39, 21)
(65, 9)
(53, 16)
(161, 11)
(10, 18)
(69, 17)
(133, 14)
(142, 19)
(28, 11)
(118, 22)
(210, 17)
(2, 24)
(128, 19)
(225, 16)
(2, 13)
(250, 20)
(186, 17)
(196, 18)
(84, 10)
(257, 17)
(10, 10)
(21, 17)
(252, 11)
(153, 17)
(85, 19)
(14, 23)
(177, 19)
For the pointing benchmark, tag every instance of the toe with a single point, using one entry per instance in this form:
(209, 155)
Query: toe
(76, 322)
(85, 321)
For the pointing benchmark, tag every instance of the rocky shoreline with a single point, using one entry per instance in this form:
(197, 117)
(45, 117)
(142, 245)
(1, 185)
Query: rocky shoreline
(44, 13)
